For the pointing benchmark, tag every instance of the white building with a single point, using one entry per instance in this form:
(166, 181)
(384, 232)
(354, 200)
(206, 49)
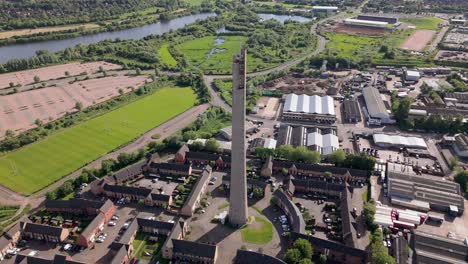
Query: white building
(323, 144)
(365, 23)
(325, 9)
(397, 141)
(317, 109)
(412, 75)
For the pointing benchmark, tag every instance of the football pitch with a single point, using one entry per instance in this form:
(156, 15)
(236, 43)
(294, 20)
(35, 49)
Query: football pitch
(38, 165)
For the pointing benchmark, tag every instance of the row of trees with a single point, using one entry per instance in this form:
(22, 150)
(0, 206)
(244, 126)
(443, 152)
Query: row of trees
(107, 166)
(288, 152)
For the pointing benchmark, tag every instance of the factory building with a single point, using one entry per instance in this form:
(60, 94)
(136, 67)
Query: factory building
(423, 193)
(390, 20)
(365, 23)
(321, 139)
(311, 109)
(430, 248)
(375, 111)
(327, 9)
(398, 141)
(411, 76)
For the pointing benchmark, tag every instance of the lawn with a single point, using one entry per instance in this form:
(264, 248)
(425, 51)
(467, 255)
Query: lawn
(166, 56)
(355, 47)
(431, 23)
(260, 231)
(36, 166)
(220, 61)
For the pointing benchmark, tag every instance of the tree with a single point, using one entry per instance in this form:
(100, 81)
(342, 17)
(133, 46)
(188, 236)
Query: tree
(67, 73)
(264, 153)
(38, 122)
(327, 174)
(453, 162)
(12, 84)
(337, 157)
(37, 79)
(292, 256)
(106, 166)
(258, 192)
(51, 195)
(369, 213)
(212, 145)
(462, 179)
(323, 259)
(304, 248)
(138, 71)
(181, 188)
(78, 106)
(196, 146)
(9, 133)
(121, 92)
(305, 261)
(359, 161)
(379, 253)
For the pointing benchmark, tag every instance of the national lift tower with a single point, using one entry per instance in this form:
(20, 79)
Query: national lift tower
(238, 186)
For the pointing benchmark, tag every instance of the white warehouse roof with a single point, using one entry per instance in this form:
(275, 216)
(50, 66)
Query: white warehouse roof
(325, 7)
(400, 141)
(365, 22)
(413, 73)
(325, 144)
(309, 104)
(270, 143)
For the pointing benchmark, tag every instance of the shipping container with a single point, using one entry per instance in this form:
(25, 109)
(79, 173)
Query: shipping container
(405, 225)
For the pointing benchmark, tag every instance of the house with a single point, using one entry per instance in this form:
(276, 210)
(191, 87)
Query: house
(134, 194)
(338, 252)
(267, 168)
(194, 252)
(319, 171)
(195, 196)
(45, 233)
(57, 259)
(120, 256)
(5, 245)
(249, 257)
(170, 168)
(82, 206)
(88, 236)
(129, 173)
(180, 154)
(290, 210)
(215, 160)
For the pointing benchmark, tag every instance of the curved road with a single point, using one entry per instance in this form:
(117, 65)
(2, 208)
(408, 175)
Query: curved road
(9, 197)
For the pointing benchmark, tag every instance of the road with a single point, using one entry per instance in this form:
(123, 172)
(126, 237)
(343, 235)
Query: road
(9, 197)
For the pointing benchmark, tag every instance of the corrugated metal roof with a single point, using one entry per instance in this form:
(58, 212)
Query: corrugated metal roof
(328, 142)
(400, 140)
(309, 104)
(374, 102)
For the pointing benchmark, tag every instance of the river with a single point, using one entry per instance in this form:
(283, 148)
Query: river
(282, 18)
(29, 49)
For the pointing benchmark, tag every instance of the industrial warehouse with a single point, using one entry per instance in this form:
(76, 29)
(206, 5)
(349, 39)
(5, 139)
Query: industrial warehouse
(310, 109)
(321, 139)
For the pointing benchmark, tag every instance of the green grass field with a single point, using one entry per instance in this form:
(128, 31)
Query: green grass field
(259, 231)
(166, 56)
(35, 166)
(431, 23)
(197, 50)
(355, 47)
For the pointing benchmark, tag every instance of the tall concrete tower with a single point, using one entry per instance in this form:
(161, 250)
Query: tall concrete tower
(238, 192)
